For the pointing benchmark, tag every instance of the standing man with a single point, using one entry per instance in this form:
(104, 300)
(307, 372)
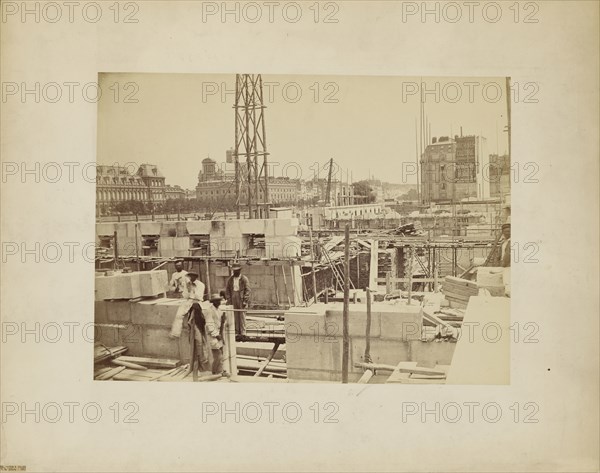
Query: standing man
(178, 281)
(238, 295)
(213, 330)
(504, 256)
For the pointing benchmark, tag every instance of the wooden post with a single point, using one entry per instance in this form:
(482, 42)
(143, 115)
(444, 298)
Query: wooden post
(312, 264)
(207, 278)
(268, 360)
(346, 338)
(326, 295)
(358, 270)
(231, 347)
(293, 279)
(388, 282)
(137, 253)
(115, 249)
(410, 273)
(276, 286)
(368, 330)
(286, 286)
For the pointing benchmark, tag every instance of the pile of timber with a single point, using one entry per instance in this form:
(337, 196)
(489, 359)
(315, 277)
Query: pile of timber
(109, 364)
(103, 353)
(261, 326)
(458, 291)
(249, 365)
(408, 229)
(406, 372)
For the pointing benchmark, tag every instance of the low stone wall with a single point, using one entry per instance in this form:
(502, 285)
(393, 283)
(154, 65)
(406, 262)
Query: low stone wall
(143, 327)
(314, 340)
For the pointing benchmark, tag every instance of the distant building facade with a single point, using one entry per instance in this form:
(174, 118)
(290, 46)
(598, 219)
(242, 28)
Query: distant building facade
(175, 192)
(455, 169)
(216, 183)
(499, 175)
(115, 184)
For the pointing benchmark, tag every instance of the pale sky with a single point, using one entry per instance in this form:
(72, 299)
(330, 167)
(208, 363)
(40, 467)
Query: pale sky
(180, 119)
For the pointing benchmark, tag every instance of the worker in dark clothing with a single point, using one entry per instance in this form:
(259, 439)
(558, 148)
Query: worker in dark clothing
(504, 247)
(238, 295)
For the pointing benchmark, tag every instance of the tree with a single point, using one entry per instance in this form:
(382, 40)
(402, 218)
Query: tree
(363, 192)
(131, 206)
(410, 195)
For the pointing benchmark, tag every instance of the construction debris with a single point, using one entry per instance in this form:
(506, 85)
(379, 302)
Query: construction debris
(458, 291)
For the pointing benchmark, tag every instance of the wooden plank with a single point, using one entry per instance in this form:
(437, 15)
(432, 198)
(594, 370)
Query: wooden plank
(151, 362)
(435, 319)
(110, 374)
(402, 367)
(268, 360)
(460, 282)
(405, 280)
(364, 379)
(102, 352)
(133, 366)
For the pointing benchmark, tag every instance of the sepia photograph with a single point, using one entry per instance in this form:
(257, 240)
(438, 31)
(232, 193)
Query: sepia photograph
(257, 228)
(298, 236)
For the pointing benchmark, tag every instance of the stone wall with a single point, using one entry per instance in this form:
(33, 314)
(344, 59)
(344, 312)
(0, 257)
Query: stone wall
(314, 339)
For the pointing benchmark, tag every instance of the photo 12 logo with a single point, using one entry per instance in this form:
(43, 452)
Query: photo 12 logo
(270, 12)
(70, 12)
(470, 12)
(289, 92)
(69, 91)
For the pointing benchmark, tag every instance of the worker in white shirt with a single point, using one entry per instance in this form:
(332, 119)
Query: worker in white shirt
(214, 321)
(178, 280)
(193, 292)
(193, 288)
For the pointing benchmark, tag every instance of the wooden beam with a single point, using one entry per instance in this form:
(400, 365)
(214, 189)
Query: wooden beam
(368, 329)
(268, 360)
(312, 265)
(403, 367)
(345, 313)
(367, 375)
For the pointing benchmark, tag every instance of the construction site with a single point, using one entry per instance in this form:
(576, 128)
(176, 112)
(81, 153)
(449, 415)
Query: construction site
(338, 293)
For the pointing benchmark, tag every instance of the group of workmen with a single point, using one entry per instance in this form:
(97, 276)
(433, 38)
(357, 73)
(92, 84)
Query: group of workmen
(205, 318)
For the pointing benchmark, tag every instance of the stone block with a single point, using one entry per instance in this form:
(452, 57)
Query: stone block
(152, 283)
(387, 352)
(357, 320)
(199, 227)
(127, 245)
(313, 375)
(100, 315)
(284, 227)
(118, 311)
(117, 286)
(149, 228)
(431, 353)
(105, 229)
(106, 334)
(401, 321)
(161, 314)
(269, 227)
(132, 337)
(156, 342)
(312, 352)
(252, 226)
